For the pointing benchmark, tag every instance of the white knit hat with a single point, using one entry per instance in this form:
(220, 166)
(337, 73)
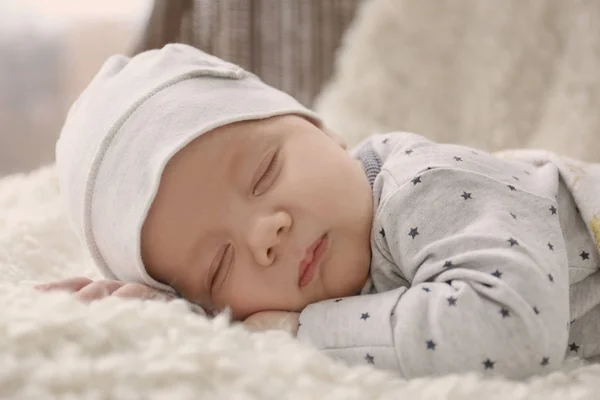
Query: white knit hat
(121, 132)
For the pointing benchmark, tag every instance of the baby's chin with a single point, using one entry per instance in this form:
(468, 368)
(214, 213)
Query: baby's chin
(349, 284)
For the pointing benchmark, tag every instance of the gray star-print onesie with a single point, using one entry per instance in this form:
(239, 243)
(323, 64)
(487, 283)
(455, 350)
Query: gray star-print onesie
(480, 262)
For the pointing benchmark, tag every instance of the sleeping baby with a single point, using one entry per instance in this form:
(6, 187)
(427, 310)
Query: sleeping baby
(187, 177)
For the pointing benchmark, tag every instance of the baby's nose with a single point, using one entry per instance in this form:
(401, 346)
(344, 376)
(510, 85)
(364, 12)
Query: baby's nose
(265, 237)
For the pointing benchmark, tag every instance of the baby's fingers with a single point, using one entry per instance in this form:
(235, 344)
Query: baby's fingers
(98, 290)
(69, 285)
(139, 291)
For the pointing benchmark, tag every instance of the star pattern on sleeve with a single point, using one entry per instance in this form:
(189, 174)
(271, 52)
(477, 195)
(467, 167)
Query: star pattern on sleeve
(408, 152)
(488, 364)
(370, 359)
(574, 347)
(382, 232)
(365, 316)
(384, 141)
(584, 255)
(414, 232)
(503, 312)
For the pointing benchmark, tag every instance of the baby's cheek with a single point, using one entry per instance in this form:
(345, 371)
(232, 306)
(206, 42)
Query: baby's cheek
(348, 274)
(240, 298)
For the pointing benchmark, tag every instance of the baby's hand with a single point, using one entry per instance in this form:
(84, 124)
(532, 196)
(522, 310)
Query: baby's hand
(273, 320)
(88, 290)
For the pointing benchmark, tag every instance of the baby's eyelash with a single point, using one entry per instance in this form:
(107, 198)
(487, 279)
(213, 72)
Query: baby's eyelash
(215, 276)
(270, 168)
(225, 266)
(268, 172)
(218, 270)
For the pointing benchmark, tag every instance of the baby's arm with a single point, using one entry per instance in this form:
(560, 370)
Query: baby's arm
(488, 293)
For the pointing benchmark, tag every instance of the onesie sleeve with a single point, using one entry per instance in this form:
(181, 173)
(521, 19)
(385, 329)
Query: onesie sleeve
(487, 275)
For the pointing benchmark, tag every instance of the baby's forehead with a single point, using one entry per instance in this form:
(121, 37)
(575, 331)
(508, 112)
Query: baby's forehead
(231, 149)
(243, 137)
(238, 133)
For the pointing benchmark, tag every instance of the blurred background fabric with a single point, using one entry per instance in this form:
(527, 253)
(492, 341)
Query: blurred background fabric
(49, 50)
(290, 44)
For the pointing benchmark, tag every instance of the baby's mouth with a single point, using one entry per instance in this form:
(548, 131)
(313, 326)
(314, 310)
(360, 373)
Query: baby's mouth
(309, 265)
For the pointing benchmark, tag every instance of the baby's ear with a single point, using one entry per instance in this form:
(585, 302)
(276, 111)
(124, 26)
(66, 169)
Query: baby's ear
(336, 138)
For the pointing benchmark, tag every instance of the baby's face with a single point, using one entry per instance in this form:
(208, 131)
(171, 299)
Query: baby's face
(261, 215)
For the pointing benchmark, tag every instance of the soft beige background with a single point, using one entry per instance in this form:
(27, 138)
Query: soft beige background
(49, 50)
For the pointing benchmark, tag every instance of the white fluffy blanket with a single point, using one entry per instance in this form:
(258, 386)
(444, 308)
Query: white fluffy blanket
(51, 346)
